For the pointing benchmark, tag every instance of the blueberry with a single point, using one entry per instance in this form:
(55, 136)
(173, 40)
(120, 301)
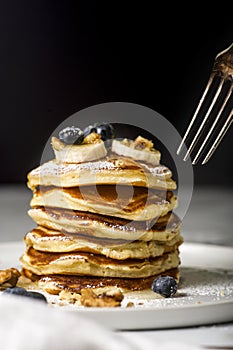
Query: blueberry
(15, 291)
(165, 286)
(23, 292)
(105, 130)
(71, 135)
(36, 295)
(89, 129)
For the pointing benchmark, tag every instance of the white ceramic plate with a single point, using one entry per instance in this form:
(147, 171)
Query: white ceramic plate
(205, 294)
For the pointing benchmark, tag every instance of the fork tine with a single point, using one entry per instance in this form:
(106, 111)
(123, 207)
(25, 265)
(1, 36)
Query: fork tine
(195, 114)
(203, 124)
(223, 131)
(213, 126)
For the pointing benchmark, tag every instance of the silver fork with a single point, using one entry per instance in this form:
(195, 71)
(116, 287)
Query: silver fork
(222, 76)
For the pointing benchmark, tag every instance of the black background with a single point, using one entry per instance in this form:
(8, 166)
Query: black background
(58, 57)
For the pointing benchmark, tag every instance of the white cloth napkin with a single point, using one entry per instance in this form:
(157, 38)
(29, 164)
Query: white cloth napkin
(27, 324)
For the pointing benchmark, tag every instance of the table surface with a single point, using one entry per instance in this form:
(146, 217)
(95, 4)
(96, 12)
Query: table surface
(208, 220)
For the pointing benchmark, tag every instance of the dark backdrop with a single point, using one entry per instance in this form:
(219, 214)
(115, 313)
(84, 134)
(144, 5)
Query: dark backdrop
(57, 57)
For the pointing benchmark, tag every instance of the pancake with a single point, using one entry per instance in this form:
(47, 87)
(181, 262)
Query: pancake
(163, 228)
(132, 203)
(82, 263)
(55, 284)
(110, 171)
(47, 240)
(102, 223)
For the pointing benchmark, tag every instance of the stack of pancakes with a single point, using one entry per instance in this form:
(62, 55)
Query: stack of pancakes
(101, 223)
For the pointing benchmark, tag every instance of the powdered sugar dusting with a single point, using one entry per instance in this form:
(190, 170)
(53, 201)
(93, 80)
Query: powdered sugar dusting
(196, 287)
(56, 168)
(158, 170)
(97, 166)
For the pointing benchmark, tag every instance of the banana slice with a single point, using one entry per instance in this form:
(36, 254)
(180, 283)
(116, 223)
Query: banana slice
(139, 149)
(92, 148)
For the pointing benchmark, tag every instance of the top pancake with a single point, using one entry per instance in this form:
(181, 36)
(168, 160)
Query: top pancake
(112, 170)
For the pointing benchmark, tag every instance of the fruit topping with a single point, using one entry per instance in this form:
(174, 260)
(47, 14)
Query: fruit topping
(139, 149)
(25, 293)
(105, 130)
(165, 286)
(71, 135)
(89, 130)
(92, 148)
